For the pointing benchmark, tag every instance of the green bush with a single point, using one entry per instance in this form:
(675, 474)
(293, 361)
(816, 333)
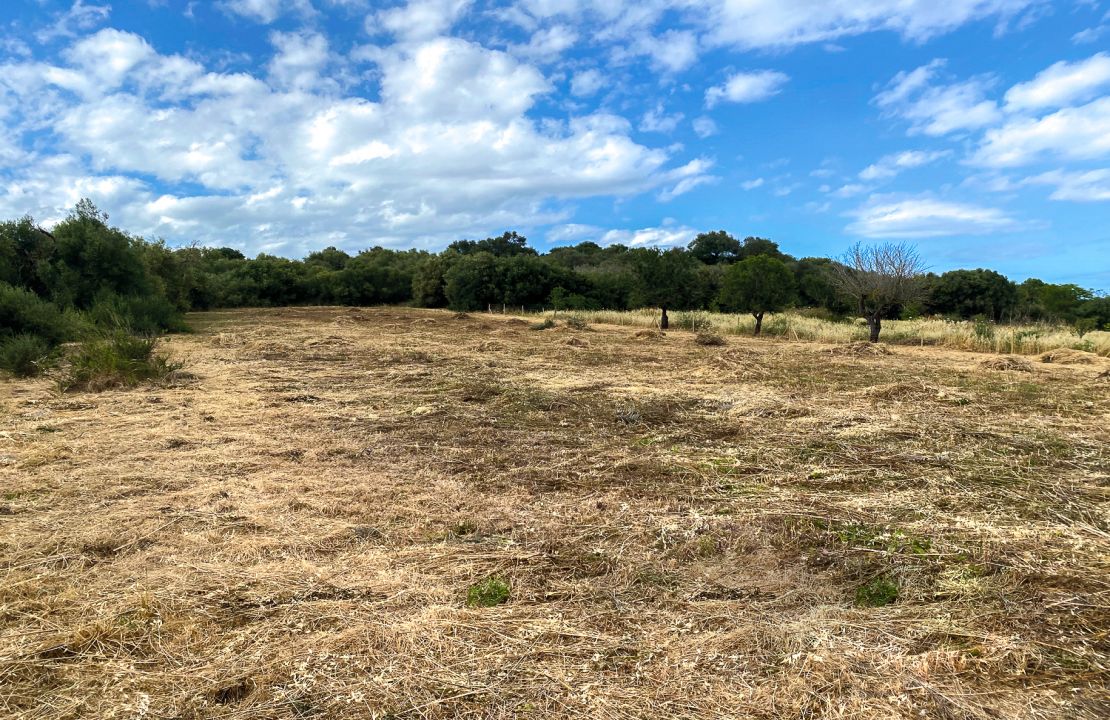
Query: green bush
(576, 322)
(489, 592)
(547, 324)
(146, 315)
(24, 355)
(119, 359)
(24, 313)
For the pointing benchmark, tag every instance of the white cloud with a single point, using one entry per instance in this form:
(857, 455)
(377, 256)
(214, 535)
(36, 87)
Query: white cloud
(420, 19)
(547, 44)
(754, 24)
(886, 217)
(1082, 186)
(1076, 133)
(78, 18)
(670, 51)
(704, 127)
(747, 87)
(752, 184)
(938, 109)
(586, 83)
(291, 161)
(267, 11)
(889, 166)
(849, 190)
(1062, 84)
(664, 236)
(658, 120)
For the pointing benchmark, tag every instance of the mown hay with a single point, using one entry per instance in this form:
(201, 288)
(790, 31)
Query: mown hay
(578, 342)
(1007, 362)
(1068, 356)
(861, 349)
(709, 339)
(649, 334)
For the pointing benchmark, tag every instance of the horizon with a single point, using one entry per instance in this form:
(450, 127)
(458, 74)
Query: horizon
(980, 134)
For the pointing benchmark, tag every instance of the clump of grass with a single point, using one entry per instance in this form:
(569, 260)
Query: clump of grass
(116, 360)
(25, 355)
(576, 322)
(708, 338)
(879, 592)
(488, 593)
(546, 324)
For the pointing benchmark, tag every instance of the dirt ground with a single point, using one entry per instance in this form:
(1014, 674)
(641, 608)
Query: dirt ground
(756, 530)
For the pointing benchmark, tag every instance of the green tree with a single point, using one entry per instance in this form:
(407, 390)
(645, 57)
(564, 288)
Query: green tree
(757, 285)
(471, 283)
(667, 280)
(714, 247)
(969, 293)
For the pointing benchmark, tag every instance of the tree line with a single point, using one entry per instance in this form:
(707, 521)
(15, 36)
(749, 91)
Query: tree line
(85, 274)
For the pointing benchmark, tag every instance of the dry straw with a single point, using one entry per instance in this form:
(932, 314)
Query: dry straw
(641, 529)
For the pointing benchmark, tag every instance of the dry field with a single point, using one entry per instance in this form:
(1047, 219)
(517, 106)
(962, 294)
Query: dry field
(688, 531)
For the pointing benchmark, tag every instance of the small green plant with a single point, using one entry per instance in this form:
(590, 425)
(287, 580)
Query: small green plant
(24, 355)
(879, 592)
(488, 593)
(693, 321)
(984, 329)
(118, 359)
(547, 324)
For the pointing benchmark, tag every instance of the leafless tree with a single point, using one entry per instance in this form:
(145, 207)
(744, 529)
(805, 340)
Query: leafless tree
(878, 278)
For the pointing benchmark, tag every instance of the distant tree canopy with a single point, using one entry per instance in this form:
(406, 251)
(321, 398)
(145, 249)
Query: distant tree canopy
(85, 273)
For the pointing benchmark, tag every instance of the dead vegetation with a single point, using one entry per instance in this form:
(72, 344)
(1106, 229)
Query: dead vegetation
(406, 515)
(1007, 362)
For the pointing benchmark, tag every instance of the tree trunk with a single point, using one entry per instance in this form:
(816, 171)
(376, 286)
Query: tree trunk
(664, 323)
(758, 322)
(876, 324)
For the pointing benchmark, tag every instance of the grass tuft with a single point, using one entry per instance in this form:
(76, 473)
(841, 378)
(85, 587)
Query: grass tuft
(116, 360)
(879, 592)
(488, 593)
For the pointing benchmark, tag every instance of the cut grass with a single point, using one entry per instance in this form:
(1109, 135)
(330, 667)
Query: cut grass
(685, 529)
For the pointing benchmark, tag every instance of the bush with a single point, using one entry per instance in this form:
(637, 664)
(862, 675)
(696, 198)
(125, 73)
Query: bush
(547, 324)
(24, 355)
(489, 592)
(24, 313)
(146, 315)
(693, 321)
(116, 360)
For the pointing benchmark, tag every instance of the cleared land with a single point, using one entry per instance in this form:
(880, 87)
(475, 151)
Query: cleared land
(688, 531)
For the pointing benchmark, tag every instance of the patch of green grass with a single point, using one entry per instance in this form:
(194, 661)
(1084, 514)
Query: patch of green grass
(547, 324)
(116, 360)
(879, 592)
(889, 539)
(488, 593)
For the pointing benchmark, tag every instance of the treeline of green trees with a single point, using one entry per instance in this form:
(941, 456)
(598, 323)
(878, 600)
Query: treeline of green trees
(85, 274)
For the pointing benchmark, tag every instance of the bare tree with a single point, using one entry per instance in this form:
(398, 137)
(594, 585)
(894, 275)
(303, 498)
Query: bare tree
(879, 278)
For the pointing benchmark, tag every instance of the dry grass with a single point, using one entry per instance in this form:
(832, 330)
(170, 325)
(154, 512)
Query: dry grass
(1015, 339)
(682, 531)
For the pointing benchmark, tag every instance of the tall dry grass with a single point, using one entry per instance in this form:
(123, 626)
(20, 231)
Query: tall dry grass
(1027, 339)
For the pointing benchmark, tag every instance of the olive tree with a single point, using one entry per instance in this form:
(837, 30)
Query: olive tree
(760, 284)
(879, 278)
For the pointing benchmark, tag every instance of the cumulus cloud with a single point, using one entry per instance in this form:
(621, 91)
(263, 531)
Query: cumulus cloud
(78, 18)
(747, 87)
(291, 161)
(267, 11)
(586, 83)
(924, 217)
(419, 19)
(665, 236)
(889, 166)
(1062, 84)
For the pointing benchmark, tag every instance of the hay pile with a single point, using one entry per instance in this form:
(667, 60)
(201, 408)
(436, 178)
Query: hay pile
(1067, 356)
(1007, 362)
(709, 339)
(649, 334)
(578, 342)
(861, 349)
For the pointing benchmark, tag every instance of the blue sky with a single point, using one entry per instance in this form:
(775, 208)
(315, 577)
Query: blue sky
(977, 129)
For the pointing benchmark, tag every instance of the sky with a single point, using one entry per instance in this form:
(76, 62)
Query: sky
(978, 130)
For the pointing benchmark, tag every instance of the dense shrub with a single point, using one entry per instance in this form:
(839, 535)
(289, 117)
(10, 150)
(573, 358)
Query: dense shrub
(24, 313)
(24, 355)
